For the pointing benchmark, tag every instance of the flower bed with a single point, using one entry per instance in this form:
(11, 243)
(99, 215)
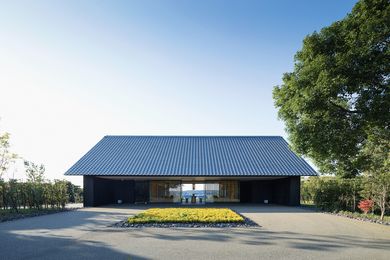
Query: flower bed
(187, 217)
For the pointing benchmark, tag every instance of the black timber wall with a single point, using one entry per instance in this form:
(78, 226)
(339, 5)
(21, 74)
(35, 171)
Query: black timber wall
(98, 191)
(295, 191)
(285, 191)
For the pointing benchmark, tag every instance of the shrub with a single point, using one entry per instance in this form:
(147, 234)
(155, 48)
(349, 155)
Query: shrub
(35, 195)
(332, 193)
(366, 205)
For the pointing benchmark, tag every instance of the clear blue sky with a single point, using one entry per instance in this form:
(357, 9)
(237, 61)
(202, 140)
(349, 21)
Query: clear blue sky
(73, 71)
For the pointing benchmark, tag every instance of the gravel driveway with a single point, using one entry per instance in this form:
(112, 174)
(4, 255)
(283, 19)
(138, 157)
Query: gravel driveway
(285, 233)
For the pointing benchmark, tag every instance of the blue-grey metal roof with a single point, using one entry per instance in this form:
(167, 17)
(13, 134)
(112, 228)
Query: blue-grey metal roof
(191, 156)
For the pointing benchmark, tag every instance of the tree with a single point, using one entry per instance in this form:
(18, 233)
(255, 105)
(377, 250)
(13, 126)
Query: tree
(377, 188)
(78, 193)
(71, 192)
(339, 91)
(13, 195)
(6, 157)
(35, 178)
(377, 152)
(35, 173)
(333, 193)
(61, 195)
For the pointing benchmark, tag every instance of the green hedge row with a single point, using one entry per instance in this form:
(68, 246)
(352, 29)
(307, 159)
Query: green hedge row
(15, 194)
(331, 193)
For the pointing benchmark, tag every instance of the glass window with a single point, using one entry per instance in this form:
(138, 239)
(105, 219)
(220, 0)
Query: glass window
(223, 191)
(193, 193)
(165, 191)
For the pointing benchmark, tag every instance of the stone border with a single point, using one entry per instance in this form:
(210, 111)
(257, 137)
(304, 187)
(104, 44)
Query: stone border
(339, 214)
(247, 223)
(376, 221)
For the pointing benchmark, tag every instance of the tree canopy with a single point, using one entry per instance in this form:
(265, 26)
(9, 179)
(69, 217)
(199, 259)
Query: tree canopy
(338, 94)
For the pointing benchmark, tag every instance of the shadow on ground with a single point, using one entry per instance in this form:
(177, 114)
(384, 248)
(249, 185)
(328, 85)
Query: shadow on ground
(56, 247)
(88, 234)
(259, 237)
(56, 236)
(80, 219)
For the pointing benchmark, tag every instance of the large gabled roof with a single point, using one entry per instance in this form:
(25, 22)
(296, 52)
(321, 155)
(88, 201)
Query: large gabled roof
(191, 156)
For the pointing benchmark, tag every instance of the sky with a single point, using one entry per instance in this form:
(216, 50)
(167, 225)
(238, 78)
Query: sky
(74, 71)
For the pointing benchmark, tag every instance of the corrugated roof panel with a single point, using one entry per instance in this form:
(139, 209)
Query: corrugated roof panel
(191, 156)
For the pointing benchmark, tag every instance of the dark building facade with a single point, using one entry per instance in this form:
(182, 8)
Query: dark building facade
(191, 170)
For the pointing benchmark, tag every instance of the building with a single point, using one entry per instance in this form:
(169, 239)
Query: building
(191, 170)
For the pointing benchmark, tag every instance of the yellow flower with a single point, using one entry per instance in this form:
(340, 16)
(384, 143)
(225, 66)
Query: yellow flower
(204, 215)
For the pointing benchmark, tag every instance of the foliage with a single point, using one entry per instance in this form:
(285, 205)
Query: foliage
(377, 184)
(12, 195)
(339, 92)
(335, 194)
(15, 195)
(34, 188)
(366, 205)
(60, 194)
(6, 157)
(204, 215)
(331, 193)
(34, 172)
(36, 193)
(75, 193)
(376, 151)
(377, 188)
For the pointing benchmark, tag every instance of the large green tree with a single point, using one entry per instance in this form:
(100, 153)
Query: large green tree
(339, 90)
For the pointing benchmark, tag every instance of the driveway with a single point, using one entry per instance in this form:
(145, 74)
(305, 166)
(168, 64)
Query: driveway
(285, 233)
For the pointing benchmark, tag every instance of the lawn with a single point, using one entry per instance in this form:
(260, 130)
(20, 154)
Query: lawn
(186, 215)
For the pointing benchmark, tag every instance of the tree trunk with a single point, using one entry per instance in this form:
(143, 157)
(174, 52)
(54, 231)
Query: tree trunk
(382, 206)
(382, 213)
(383, 203)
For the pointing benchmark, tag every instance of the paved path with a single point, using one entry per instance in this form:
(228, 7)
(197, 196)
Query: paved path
(285, 233)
